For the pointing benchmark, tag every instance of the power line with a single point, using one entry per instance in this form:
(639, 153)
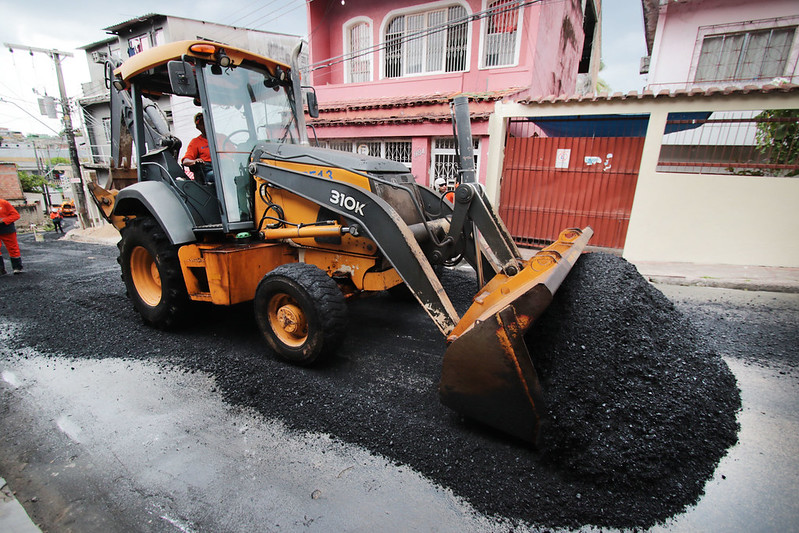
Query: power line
(34, 117)
(422, 33)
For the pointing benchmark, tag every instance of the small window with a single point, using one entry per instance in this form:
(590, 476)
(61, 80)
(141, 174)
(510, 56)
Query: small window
(138, 44)
(341, 146)
(359, 43)
(399, 150)
(445, 163)
(742, 56)
(501, 31)
(426, 42)
(107, 129)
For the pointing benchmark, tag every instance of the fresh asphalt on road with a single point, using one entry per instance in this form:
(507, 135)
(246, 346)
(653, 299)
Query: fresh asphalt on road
(101, 437)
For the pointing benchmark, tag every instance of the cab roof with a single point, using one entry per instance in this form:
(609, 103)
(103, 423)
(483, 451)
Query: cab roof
(160, 55)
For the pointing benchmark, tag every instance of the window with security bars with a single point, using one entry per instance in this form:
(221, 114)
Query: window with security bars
(399, 151)
(501, 31)
(427, 42)
(359, 66)
(341, 146)
(445, 160)
(750, 55)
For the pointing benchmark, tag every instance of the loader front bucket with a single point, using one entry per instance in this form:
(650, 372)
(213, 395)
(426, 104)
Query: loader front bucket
(488, 373)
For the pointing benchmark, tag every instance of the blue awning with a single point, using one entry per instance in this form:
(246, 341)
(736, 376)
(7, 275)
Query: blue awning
(613, 125)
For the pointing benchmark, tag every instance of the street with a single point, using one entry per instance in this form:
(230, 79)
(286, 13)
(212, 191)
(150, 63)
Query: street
(108, 425)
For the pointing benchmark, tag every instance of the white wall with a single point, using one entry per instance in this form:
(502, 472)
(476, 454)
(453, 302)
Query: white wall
(735, 220)
(692, 218)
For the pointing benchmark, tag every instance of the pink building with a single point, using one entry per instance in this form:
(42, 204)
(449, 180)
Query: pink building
(721, 43)
(385, 72)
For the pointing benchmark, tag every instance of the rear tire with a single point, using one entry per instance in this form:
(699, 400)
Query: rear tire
(301, 313)
(151, 272)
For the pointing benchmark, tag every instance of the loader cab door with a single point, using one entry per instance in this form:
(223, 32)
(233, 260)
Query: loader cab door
(244, 106)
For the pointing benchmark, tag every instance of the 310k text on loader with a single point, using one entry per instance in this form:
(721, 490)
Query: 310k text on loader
(299, 229)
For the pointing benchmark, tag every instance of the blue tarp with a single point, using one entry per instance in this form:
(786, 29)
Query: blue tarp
(612, 125)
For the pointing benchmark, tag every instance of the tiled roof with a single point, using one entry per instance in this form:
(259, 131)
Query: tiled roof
(414, 100)
(365, 121)
(666, 93)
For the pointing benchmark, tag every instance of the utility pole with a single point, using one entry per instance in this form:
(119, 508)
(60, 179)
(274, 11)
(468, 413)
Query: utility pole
(45, 188)
(77, 188)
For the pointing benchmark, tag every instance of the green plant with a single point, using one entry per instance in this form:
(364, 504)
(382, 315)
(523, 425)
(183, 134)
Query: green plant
(31, 182)
(777, 138)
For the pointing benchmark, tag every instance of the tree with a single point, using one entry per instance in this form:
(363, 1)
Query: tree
(59, 161)
(31, 182)
(777, 138)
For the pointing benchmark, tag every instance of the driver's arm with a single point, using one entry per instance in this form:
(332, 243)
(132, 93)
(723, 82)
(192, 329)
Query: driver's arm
(192, 155)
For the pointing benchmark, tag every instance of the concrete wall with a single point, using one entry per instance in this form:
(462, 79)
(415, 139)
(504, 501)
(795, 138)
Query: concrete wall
(694, 218)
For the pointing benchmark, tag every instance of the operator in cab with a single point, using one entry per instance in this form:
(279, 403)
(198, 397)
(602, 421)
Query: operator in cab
(198, 155)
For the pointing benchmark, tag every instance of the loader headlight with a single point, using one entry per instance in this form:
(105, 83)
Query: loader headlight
(224, 60)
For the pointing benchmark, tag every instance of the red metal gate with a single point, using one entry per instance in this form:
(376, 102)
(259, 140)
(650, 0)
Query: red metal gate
(552, 183)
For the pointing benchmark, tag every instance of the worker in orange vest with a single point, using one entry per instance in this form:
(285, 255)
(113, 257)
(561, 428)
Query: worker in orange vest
(441, 183)
(8, 237)
(55, 216)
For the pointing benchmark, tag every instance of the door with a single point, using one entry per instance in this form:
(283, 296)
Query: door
(552, 183)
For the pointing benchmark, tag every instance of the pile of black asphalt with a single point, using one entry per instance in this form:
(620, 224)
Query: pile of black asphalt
(640, 407)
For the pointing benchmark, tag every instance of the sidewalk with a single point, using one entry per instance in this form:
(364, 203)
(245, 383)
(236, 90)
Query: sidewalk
(741, 277)
(749, 278)
(13, 518)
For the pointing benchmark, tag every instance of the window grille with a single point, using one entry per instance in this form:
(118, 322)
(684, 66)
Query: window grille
(372, 148)
(341, 146)
(445, 160)
(501, 30)
(359, 68)
(426, 42)
(399, 151)
(744, 56)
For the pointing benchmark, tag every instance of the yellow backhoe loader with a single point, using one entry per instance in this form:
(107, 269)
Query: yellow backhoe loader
(298, 229)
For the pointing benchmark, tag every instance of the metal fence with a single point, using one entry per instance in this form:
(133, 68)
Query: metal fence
(752, 143)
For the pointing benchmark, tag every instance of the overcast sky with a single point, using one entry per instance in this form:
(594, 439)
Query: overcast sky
(64, 25)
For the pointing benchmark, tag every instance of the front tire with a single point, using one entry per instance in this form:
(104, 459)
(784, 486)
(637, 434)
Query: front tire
(152, 275)
(301, 313)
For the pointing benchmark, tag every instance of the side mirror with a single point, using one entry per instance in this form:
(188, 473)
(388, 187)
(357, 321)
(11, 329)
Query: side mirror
(181, 78)
(313, 104)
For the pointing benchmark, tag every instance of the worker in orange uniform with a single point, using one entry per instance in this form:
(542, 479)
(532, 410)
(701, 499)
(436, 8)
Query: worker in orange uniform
(8, 237)
(198, 154)
(441, 183)
(55, 216)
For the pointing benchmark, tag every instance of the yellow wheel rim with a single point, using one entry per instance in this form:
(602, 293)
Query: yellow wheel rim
(287, 320)
(145, 276)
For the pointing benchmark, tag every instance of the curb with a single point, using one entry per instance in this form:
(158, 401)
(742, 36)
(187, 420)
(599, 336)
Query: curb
(743, 285)
(13, 517)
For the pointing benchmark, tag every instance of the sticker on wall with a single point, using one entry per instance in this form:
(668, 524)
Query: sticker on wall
(607, 162)
(592, 160)
(562, 158)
